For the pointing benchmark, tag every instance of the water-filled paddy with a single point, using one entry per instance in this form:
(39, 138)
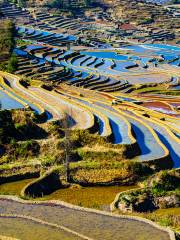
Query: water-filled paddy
(14, 188)
(11, 103)
(92, 197)
(118, 124)
(176, 88)
(106, 54)
(40, 33)
(27, 229)
(7, 102)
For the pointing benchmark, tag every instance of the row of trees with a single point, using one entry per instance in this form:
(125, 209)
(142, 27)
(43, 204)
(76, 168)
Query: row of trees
(7, 31)
(65, 4)
(8, 61)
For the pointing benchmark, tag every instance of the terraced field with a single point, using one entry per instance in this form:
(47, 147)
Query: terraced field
(48, 62)
(26, 228)
(90, 224)
(8, 102)
(127, 95)
(122, 124)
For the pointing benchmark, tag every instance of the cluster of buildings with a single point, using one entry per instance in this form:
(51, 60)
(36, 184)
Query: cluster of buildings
(138, 20)
(74, 3)
(114, 20)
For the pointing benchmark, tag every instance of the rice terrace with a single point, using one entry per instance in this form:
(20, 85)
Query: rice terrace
(89, 120)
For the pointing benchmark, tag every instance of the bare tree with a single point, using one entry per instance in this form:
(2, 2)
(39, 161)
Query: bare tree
(68, 146)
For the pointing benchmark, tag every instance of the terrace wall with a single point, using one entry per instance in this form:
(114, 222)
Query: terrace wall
(5, 83)
(44, 185)
(19, 176)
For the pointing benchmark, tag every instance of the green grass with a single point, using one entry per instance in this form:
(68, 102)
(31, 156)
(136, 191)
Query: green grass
(157, 89)
(169, 217)
(148, 89)
(173, 211)
(21, 43)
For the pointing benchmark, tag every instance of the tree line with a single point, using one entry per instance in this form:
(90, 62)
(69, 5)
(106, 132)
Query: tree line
(8, 61)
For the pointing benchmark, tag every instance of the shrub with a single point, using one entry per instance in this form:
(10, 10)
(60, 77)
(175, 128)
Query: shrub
(167, 181)
(12, 64)
(25, 149)
(7, 129)
(7, 32)
(83, 137)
